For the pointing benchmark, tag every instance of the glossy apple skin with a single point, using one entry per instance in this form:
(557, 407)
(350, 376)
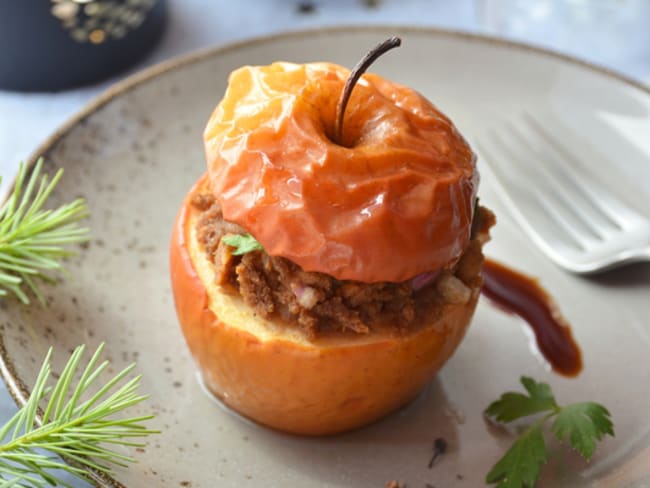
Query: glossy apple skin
(393, 200)
(307, 388)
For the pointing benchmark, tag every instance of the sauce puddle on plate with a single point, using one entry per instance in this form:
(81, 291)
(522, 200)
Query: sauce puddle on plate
(522, 295)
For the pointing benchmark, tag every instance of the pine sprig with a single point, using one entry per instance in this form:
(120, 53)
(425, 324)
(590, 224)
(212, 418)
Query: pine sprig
(581, 424)
(77, 422)
(31, 237)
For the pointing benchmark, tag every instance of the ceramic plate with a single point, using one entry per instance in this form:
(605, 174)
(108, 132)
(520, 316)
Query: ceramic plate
(135, 151)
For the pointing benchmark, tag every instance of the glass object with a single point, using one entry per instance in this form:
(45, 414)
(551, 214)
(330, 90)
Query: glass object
(613, 33)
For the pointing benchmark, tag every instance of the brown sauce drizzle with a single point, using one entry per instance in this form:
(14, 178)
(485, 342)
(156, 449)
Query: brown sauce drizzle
(523, 296)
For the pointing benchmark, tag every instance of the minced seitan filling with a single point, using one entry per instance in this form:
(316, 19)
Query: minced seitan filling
(319, 303)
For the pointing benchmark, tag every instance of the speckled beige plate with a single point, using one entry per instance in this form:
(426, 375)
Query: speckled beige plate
(135, 151)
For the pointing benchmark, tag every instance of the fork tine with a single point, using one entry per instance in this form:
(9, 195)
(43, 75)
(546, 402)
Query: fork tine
(550, 232)
(550, 199)
(580, 216)
(616, 212)
(560, 217)
(541, 194)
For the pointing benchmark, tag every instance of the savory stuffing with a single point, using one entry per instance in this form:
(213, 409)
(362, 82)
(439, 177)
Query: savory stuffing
(319, 303)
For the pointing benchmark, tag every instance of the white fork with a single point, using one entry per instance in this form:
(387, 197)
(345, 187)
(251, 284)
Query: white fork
(569, 215)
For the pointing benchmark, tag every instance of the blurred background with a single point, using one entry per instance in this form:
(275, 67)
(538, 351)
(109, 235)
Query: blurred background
(65, 52)
(57, 55)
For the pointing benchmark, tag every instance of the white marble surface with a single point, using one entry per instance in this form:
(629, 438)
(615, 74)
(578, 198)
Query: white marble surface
(608, 32)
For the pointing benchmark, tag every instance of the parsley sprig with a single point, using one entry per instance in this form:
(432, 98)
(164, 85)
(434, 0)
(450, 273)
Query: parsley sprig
(582, 425)
(243, 243)
(32, 238)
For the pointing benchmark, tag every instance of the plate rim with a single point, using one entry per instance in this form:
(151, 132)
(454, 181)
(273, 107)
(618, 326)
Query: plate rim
(14, 384)
(134, 80)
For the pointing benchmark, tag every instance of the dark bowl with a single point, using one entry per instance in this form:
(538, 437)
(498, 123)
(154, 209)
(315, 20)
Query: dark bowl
(50, 45)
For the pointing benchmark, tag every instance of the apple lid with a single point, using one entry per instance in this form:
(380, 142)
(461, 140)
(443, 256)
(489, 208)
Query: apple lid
(393, 200)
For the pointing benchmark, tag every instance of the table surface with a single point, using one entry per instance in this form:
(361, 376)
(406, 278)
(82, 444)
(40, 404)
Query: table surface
(196, 24)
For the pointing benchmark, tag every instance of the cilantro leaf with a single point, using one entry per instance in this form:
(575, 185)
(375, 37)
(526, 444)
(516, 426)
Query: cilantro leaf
(243, 243)
(583, 424)
(520, 466)
(514, 405)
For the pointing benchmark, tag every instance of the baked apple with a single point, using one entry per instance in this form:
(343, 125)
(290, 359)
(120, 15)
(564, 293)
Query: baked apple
(323, 276)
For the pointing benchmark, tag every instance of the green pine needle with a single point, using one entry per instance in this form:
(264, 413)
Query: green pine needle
(76, 423)
(32, 237)
(581, 424)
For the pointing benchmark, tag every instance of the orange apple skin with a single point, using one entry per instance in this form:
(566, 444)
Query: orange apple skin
(393, 201)
(306, 388)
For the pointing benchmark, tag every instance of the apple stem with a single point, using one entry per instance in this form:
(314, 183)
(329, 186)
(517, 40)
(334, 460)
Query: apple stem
(355, 74)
